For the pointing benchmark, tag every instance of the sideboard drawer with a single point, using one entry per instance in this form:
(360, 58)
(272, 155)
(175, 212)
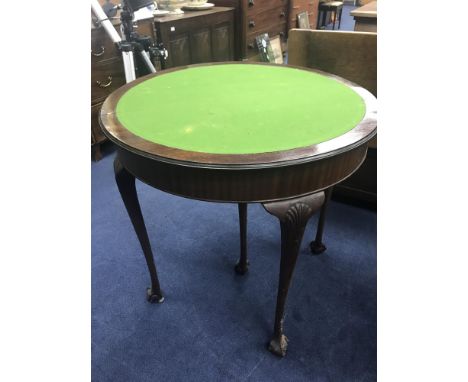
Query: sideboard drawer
(271, 17)
(258, 6)
(102, 47)
(105, 78)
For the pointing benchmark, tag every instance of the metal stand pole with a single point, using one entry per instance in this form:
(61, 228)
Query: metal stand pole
(128, 44)
(129, 64)
(127, 51)
(146, 58)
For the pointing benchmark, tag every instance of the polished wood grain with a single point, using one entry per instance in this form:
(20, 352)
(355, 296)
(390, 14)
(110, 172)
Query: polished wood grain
(243, 184)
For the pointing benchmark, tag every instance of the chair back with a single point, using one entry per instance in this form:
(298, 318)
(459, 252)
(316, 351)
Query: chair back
(351, 55)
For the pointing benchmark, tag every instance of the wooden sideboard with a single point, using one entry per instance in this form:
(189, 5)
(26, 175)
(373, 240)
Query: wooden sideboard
(197, 36)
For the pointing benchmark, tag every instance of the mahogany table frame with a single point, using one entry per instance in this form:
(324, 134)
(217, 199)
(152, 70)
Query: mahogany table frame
(290, 184)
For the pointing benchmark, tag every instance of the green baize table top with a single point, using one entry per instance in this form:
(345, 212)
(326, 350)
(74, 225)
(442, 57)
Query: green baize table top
(239, 109)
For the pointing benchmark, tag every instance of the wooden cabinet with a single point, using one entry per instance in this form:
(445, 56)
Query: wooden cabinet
(254, 17)
(107, 74)
(197, 36)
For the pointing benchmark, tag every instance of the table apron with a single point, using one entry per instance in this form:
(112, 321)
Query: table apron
(243, 185)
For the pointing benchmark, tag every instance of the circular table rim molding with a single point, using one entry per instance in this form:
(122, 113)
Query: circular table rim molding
(117, 133)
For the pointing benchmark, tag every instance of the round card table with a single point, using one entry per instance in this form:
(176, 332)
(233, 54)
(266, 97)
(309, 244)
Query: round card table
(240, 133)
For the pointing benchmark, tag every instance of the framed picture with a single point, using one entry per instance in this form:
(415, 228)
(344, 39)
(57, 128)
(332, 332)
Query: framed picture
(277, 51)
(303, 20)
(270, 50)
(264, 48)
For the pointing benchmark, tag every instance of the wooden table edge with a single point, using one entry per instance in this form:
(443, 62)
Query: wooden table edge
(364, 131)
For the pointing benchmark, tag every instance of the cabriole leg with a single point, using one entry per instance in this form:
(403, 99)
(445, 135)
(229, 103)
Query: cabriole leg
(316, 246)
(126, 184)
(243, 264)
(293, 216)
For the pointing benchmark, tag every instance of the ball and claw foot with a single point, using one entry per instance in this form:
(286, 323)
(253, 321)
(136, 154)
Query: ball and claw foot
(241, 269)
(317, 248)
(278, 347)
(153, 297)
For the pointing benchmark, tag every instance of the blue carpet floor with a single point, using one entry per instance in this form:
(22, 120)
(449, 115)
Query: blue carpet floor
(214, 324)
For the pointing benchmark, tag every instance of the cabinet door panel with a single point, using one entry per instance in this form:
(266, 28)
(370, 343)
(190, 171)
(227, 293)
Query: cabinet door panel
(222, 41)
(179, 50)
(201, 46)
(197, 37)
